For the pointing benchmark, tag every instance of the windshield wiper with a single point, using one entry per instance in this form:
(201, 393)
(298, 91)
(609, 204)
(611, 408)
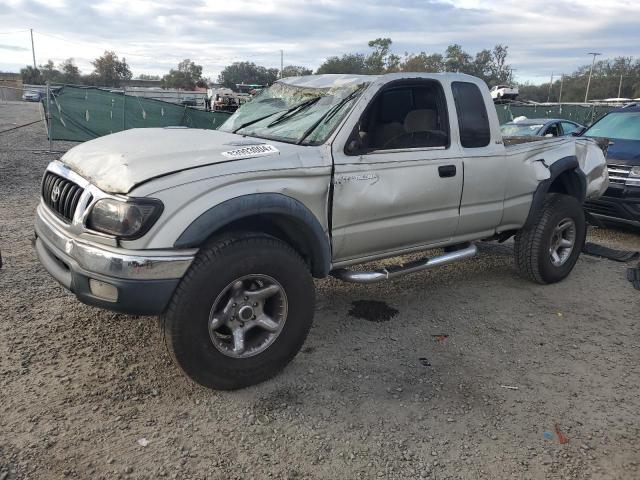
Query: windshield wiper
(293, 110)
(329, 114)
(285, 114)
(256, 120)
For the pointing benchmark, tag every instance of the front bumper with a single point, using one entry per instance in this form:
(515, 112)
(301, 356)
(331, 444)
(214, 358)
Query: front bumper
(619, 204)
(134, 282)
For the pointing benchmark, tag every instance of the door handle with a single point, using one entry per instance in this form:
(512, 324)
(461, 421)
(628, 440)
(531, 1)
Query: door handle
(447, 171)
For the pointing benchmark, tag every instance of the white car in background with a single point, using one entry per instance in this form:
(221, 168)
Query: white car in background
(32, 96)
(504, 91)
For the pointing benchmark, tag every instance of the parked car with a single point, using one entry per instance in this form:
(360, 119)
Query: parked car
(221, 231)
(189, 101)
(32, 96)
(500, 92)
(621, 201)
(543, 127)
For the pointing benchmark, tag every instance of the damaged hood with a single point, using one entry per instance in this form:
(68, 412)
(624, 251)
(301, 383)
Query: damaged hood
(118, 162)
(625, 152)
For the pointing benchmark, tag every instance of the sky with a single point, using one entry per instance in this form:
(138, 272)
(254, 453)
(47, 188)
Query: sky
(544, 36)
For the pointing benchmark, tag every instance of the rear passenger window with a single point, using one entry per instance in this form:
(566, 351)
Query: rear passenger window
(472, 115)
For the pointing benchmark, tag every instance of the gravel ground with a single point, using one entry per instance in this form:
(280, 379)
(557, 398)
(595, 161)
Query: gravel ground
(465, 372)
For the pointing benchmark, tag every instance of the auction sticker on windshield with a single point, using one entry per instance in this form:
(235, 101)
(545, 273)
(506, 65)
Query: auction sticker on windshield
(252, 151)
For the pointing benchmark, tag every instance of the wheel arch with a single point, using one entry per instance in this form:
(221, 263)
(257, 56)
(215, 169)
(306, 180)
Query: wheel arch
(566, 178)
(275, 214)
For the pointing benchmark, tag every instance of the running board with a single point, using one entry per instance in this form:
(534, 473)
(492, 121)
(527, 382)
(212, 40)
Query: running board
(399, 270)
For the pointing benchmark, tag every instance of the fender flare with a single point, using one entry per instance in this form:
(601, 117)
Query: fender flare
(308, 226)
(556, 169)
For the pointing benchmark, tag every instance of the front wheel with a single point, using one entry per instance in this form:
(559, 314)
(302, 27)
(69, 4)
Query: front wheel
(547, 251)
(241, 313)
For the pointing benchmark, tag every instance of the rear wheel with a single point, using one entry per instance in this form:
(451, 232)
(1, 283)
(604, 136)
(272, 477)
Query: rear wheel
(547, 251)
(241, 313)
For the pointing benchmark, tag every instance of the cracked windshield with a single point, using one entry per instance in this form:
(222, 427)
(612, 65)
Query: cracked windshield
(294, 114)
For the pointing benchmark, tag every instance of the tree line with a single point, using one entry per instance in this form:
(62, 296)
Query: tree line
(488, 64)
(110, 71)
(611, 78)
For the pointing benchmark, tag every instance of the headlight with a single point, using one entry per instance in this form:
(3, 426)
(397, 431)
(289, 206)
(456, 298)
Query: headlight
(125, 219)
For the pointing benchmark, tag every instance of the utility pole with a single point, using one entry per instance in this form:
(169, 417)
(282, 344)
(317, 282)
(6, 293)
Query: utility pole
(620, 84)
(33, 50)
(49, 129)
(281, 62)
(550, 85)
(586, 94)
(561, 82)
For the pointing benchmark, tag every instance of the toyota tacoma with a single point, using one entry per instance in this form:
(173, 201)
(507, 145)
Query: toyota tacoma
(221, 232)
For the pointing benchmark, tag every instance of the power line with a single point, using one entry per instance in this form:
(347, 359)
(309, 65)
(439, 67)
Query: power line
(12, 32)
(74, 42)
(257, 55)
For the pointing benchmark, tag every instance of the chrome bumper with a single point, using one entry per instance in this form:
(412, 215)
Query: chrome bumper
(108, 261)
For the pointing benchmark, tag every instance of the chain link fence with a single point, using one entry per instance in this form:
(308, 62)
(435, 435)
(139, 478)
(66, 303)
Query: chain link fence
(582, 114)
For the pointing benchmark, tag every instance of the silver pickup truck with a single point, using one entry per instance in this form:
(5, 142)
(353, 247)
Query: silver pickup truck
(221, 232)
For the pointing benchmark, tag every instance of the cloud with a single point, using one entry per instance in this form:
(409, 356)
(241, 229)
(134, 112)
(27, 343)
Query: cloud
(13, 48)
(154, 35)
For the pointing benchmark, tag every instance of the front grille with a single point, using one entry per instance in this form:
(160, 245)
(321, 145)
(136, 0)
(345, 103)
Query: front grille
(618, 174)
(61, 195)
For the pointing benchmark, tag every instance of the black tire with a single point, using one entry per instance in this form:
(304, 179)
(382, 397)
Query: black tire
(185, 323)
(532, 245)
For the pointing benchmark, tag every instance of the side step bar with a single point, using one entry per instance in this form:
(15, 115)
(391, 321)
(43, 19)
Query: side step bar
(398, 270)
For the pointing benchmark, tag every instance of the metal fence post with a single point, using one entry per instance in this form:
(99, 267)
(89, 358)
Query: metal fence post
(49, 115)
(124, 101)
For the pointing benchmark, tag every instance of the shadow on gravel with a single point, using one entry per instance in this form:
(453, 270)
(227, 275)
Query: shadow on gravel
(372, 311)
(276, 400)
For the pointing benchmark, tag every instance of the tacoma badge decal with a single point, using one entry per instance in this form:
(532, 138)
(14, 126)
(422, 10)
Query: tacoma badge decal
(251, 151)
(355, 178)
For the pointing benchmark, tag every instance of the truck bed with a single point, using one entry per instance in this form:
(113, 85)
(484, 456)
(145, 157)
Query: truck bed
(516, 140)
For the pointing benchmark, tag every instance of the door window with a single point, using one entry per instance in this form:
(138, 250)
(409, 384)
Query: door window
(405, 115)
(553, 130)
(568, 128)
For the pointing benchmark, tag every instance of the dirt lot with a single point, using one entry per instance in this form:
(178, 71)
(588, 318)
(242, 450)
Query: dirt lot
(466, 372)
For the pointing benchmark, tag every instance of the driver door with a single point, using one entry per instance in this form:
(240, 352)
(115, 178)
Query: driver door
(401, 189)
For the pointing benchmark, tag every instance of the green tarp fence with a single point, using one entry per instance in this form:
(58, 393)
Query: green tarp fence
(84, 113)
(582, 114)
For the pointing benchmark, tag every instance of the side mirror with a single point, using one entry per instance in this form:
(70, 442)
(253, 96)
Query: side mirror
(549, 135)
(353, 146)
(579, 131)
